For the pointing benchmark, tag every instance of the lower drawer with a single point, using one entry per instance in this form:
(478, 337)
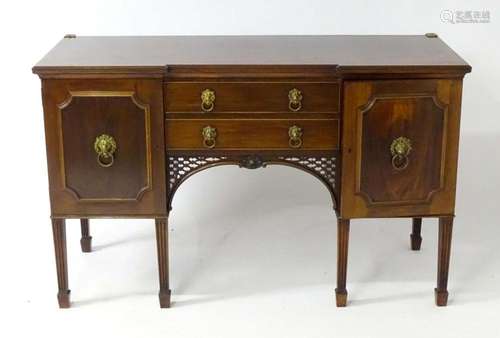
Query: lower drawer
(269, 134)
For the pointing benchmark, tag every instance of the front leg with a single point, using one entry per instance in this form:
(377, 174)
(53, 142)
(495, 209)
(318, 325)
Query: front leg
(162, 247)
(342, 249)
(59, 233)
(444, 249)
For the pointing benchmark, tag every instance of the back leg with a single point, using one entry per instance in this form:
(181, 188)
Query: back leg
(415, 236)
(86, 241)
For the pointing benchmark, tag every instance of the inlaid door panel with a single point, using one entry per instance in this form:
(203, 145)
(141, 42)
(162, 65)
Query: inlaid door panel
(105, 145)
(126, 173)
(400, 147)
(383, 176)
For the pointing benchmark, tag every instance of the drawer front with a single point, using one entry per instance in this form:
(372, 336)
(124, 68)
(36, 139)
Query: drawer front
(104, 145)
(270, 134)
(251, 97)
(400, 147)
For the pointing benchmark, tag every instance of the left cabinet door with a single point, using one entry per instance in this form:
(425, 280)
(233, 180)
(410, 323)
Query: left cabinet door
(105, 147)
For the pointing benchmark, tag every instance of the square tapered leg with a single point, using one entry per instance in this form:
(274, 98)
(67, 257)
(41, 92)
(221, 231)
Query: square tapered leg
(162, 248)
(444, 250)
(59, 233)
(342, 250)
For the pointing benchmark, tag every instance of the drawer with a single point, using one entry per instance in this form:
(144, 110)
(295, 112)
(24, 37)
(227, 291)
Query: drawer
(400, 147)
(251, 97)
(272, 134)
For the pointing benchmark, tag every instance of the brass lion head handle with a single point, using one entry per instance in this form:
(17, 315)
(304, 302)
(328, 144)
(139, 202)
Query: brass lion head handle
(207, 100)
(295, 99)
(105, 147)
(295, 136)
(209, 135)
(400, 150)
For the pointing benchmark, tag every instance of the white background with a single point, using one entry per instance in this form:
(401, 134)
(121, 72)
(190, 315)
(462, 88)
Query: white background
(252, 252)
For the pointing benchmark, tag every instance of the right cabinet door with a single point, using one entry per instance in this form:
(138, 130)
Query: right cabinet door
(399, 147)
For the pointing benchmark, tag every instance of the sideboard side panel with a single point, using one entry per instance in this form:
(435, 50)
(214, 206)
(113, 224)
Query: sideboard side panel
(76, 111)
(375, 114)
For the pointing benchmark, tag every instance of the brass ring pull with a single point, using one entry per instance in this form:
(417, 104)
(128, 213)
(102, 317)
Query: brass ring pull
(400, 150)
(207, 100)
(105, 147)
(400, 162)
(294, 100)
(295, 137)
(209, 135)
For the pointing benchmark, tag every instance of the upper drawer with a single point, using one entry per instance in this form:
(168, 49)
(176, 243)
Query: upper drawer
(251, 97)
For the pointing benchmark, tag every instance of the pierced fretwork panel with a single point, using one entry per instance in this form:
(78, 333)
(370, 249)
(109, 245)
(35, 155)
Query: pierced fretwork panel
(179, 167)
(321, 166)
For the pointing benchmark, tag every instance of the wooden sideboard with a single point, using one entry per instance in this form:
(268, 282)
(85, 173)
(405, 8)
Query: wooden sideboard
(375, 118)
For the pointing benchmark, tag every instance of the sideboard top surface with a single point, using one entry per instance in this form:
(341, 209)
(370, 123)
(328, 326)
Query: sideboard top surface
(348, 53)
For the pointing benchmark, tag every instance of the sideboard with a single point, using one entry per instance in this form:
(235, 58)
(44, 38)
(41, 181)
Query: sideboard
(376, 119)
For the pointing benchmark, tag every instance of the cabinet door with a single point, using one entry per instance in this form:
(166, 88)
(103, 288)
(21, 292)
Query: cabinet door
(105, 147)
(399, 147)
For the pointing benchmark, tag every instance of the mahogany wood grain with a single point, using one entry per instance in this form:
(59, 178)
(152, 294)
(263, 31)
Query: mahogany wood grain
(153, 55)
(428, 112)
(85, 118)
(384, 121)
(78, 185)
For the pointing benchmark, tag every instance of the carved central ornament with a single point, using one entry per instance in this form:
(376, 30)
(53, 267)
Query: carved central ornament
(252, 162)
